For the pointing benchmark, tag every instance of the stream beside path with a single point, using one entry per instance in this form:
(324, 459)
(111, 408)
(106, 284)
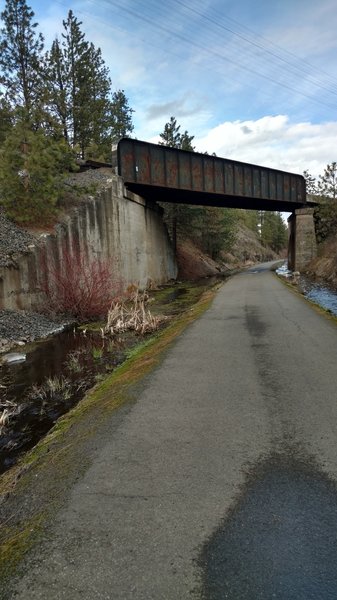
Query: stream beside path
(43, 380)
(218, 478)
(319, 292)
(56, 372)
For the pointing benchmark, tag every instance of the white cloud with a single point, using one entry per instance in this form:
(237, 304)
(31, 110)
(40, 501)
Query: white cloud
(273, 141)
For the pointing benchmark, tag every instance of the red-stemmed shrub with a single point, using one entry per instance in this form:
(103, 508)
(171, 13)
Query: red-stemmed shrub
(79, 286)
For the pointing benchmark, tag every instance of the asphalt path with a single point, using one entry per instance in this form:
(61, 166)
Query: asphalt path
(219, 481)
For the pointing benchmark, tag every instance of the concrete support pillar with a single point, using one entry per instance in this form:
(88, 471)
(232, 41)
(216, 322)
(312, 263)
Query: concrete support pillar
(302, 247)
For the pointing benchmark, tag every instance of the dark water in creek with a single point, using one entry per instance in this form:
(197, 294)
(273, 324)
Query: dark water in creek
(58, 371)
(53, 378)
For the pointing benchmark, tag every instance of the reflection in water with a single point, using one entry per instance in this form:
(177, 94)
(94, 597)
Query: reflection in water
(279, 542)
(320, 293)
(57, 372)
(53, 378)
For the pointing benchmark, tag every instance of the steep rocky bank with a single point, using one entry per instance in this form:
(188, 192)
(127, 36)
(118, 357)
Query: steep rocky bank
(324, 267)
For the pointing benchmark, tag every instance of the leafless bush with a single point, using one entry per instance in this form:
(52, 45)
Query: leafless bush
(79, 286)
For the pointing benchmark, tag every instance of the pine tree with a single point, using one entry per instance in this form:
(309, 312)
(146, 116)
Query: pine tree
(310, 183)
(94, 99)
(251, 218)
(186, 142)
(327, 183)
(32, 167)
(273, 231)
(280, 239)
(75, 56)
(79, 89)
(6, 119)
(218, 229)
(172, 137)
(21, 61)
(58, 88)
(325, 214)
(121, 116)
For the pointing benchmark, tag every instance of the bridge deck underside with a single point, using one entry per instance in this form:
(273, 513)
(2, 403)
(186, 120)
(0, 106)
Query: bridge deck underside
(178, 196)
(171, 175)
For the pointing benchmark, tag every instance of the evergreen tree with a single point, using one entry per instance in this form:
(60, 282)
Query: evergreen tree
(6, 119)
(121, 116)
(273, 231)
(172, 137)
(310, 183)
(186, 142)
(94, 117)
(250, 218)
(327, 183)
(32, 165)
(75, 53)
(218, 229)
(58, 87)
(79, 89)
(280, 240)
(325, 214)
(21, 62)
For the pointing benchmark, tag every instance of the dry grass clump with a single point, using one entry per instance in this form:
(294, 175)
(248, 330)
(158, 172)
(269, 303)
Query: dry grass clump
(132, 315)
(8, 410)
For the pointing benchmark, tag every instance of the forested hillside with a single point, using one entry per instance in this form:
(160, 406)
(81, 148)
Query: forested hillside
(58, 105)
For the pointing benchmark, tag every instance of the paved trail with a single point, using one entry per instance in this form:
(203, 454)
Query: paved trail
(219, 481)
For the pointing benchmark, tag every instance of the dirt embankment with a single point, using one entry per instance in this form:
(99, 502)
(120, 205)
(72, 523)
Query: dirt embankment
(246, 250)
(324, 267)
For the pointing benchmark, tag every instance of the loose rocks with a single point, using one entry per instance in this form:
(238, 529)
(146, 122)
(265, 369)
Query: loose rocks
(13, 239)
(21, 326)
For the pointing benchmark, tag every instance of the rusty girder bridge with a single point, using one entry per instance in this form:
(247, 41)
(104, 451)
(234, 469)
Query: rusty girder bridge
(169, 175)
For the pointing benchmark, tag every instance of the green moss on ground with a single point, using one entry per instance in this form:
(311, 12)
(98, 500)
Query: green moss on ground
(17, 542)
(36, 487)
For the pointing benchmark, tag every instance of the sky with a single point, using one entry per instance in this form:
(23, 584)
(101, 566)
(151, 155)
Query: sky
(254, 81)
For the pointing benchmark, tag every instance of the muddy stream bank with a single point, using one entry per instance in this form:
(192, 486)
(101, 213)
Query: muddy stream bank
(41, 381)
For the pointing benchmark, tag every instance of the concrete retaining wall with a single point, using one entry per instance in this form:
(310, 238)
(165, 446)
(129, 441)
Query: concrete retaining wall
(128, 231)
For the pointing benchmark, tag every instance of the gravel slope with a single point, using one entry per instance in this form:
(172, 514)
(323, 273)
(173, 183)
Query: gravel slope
(13, 239)
(17, 327)
(23, 326)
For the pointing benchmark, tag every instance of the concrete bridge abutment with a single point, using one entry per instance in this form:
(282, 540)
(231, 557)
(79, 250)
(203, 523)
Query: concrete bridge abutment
(302, 246)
